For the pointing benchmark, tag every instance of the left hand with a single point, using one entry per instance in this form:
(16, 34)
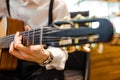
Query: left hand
(34, 53)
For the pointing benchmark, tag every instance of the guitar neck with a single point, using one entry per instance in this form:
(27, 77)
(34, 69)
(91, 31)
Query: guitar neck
(4, 42)
(31, 37)
(49, 36)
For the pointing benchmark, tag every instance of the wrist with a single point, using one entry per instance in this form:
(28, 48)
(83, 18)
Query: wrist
(48, 60)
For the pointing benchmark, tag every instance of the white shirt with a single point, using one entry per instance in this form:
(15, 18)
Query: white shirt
(35, 14)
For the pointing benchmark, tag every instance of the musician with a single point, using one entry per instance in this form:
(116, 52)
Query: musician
(34, 13)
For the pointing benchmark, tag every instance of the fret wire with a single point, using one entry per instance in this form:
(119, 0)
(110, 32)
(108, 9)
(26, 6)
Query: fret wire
(30, 37)
(33, 37)
(26, 38)
(23, 39)
(41, 34)
(7, 41)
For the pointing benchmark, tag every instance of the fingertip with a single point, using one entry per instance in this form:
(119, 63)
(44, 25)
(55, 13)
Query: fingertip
(11, 47)
(17, 32)
(27, 28)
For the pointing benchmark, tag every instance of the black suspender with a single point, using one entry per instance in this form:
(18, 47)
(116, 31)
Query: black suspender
(8, 6)
(50, 20)
(50, 12)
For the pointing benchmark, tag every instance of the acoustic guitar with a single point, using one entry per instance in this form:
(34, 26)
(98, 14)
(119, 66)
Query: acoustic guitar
(50, 36)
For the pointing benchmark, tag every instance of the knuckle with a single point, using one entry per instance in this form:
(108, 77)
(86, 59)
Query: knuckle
(16, 45)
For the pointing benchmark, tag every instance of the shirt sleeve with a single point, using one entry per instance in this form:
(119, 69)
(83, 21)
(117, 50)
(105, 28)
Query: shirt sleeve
(3, 9)
(59, 58)
(60, 10)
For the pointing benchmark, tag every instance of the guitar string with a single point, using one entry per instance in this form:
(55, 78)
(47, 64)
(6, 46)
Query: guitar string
(10, 38)
(37, 32)
(46, 39)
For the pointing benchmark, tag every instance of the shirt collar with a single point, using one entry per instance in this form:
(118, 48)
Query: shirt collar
(26, 2)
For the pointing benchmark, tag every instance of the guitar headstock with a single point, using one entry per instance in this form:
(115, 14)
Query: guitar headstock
(96, 30)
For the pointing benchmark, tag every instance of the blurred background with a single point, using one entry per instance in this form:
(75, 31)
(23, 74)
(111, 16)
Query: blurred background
(109, 9)
(104, 57)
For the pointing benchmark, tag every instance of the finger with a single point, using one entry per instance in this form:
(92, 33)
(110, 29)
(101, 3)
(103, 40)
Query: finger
(27, 28)
(14, 52)
(18, 44)
(19, 54)
(34, 50)
(23, 49)
(26, 56)
(17, 38)
(11, 47)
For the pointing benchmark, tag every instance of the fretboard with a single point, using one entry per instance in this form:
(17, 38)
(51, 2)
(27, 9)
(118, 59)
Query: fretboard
(32, 37)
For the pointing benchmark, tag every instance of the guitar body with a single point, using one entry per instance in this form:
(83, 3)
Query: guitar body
(8, 26)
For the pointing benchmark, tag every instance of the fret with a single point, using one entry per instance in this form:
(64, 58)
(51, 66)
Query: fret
(30, 37)
(23, 38)
(7, 42)
(37, 36)
(41, 34)
(33, 36)
(26, 40)
(4, 42)
(9, 39)
(1, 43)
